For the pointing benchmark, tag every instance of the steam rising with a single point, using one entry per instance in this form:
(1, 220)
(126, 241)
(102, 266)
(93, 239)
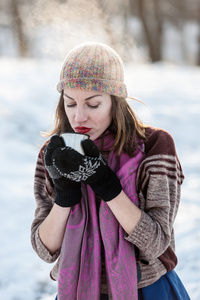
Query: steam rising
(57, 26)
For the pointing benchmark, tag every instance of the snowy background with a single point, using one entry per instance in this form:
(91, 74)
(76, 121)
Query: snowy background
(27, 102)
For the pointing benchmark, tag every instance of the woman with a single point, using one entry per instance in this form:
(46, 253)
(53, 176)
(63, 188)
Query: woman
(106, 215)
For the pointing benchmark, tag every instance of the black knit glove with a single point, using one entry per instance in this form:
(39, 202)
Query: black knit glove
(68, 192)
(89, 168)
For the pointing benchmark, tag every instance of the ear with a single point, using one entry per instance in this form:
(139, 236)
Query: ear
(89, 148)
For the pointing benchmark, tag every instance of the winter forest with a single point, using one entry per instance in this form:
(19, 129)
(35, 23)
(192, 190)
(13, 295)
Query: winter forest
(159, 42)
(141, 30)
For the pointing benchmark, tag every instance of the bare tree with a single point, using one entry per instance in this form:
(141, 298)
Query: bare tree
(151, 18)
(198, 54)
(18, 28)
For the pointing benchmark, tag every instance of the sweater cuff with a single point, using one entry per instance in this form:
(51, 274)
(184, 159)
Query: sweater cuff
(140, 234)
(43, 252)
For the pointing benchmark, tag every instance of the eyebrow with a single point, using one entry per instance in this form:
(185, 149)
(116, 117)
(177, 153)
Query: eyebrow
(88, 98)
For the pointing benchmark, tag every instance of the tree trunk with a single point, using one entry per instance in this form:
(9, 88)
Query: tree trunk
(18, 29)
(198, 53)
(153, 37)
(159, 31)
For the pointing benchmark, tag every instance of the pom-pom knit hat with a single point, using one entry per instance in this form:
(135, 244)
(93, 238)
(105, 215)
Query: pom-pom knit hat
(95, 67)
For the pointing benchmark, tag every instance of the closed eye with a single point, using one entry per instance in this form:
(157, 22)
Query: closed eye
(70, 105)
(89, 105)
(93, 106)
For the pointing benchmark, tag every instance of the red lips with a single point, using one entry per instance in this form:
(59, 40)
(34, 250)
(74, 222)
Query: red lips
(82, 129)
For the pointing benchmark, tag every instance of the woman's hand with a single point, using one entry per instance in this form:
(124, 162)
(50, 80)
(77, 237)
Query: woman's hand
(89, 168)
(68, 192)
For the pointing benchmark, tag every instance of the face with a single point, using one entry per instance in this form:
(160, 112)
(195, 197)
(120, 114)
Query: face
(88, 112)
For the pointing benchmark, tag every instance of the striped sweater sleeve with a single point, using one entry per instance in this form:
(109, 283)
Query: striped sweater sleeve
(44, 196)
(159, 180)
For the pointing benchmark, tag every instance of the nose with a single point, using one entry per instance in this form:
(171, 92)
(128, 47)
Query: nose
(80, 114)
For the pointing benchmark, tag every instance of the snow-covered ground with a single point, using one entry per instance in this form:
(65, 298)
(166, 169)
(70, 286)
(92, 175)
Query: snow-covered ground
(27, 102)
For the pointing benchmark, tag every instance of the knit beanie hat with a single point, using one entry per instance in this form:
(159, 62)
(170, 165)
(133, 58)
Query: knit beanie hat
(95, 67)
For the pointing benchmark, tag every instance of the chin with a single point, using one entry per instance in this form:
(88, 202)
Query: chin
(94, 136)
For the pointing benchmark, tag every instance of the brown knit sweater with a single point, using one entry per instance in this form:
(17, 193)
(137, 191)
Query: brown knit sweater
(159, 179)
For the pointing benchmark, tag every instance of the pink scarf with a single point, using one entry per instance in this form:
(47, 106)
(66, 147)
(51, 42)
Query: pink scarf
(80, 258)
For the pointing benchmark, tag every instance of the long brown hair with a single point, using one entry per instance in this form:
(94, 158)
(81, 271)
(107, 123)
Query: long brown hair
(125, 126)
